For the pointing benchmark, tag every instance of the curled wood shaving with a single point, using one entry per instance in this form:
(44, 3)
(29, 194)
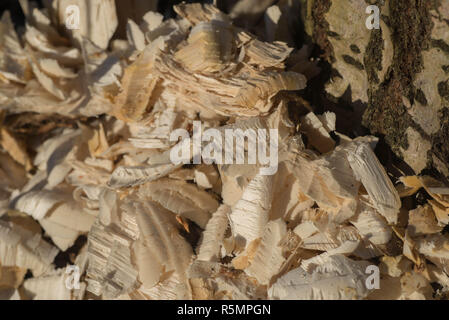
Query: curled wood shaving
(347, 278)
(250, 214)
(369, 171)
(22, 248)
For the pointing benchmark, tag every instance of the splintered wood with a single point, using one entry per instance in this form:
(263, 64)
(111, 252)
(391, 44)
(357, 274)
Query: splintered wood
(94, 207)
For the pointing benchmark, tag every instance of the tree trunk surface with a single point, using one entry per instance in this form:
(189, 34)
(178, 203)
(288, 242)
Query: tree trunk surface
(395, 77)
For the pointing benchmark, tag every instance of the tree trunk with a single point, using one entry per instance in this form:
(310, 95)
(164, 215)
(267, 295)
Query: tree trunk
(399, 73)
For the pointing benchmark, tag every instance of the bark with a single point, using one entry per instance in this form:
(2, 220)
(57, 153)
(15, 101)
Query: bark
(399, 73)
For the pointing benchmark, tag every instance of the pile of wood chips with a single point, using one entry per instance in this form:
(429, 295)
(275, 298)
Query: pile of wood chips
(92, 207)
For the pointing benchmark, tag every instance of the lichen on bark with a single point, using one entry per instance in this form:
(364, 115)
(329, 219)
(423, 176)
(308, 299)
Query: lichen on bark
(321, 26)
(410, 29)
